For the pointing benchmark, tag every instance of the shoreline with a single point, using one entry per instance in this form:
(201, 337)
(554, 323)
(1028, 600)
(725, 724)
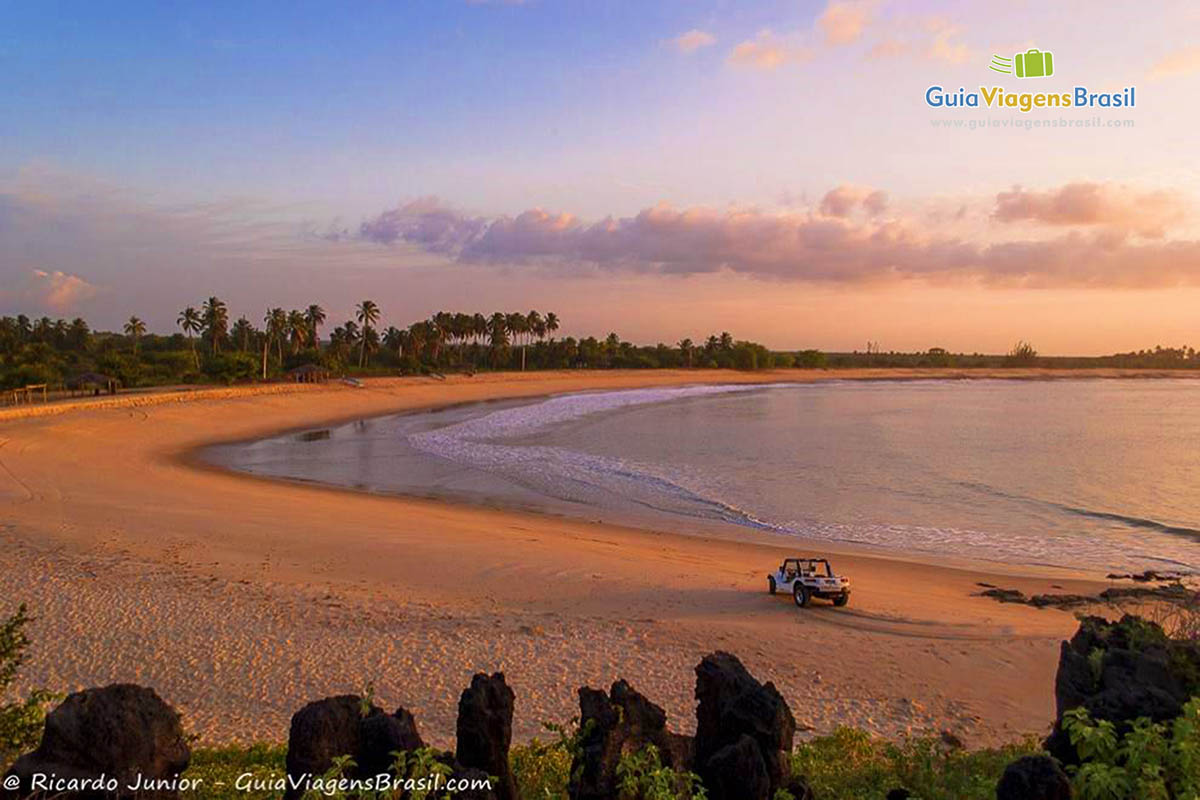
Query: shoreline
(240, 600)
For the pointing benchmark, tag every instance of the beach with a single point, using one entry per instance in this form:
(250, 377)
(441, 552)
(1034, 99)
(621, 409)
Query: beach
(240, 599)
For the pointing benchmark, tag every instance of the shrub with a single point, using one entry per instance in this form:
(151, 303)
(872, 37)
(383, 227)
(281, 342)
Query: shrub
(810, 359)
(217, 771)
(642, 776)
(1023, 354)
(1152, 761)
(21, 720)
(850, 765)
(230, 367)
(543, 769)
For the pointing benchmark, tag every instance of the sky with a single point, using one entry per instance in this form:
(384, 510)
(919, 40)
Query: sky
(661, 169)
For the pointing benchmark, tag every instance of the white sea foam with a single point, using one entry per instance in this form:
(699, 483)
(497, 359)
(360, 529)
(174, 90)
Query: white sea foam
(570, 475)
(490, 443)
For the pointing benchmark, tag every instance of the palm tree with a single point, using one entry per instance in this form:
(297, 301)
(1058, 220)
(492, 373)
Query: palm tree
(498, 336)
(216, 322)
(135, 329)
(315, 315)
(367, 315)
(394, 339)
(686, 347)
(551, 323)
(189, 321)
(79, 334)
(298, 330)
(276, 324)
(242, 332)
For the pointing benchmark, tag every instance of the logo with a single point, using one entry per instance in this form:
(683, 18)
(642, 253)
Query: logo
(1033, 63)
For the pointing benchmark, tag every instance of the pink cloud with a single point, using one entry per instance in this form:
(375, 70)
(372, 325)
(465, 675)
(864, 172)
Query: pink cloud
(693, 40)
(829, 246)
(767, 51)
(844, 22)
(843, 200)
(56, 291)
(1147, 213)
(1181, 62)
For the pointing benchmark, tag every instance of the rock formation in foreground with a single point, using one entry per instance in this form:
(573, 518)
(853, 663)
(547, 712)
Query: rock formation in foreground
(123, 732)
(337, 726)
(1120, 671)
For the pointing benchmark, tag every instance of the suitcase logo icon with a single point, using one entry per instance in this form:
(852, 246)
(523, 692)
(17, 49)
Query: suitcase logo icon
(1033, 63)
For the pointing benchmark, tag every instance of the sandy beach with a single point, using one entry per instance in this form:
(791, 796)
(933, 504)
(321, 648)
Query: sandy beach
(240, 599)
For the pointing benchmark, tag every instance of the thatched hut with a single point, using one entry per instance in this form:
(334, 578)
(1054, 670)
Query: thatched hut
(94, 382)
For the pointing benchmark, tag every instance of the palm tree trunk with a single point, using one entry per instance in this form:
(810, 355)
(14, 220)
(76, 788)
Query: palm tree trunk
(266, 349)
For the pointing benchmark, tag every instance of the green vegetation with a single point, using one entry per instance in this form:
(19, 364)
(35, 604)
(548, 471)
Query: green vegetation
(207, 349)
(642, 776)
(543, 769)
(218, 771)
(1148, 762)
(21, 719)
(851, 765)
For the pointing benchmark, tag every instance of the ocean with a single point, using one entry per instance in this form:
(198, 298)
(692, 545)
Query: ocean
(1085, 474)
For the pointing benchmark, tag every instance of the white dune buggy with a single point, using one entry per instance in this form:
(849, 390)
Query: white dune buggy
(807, 578)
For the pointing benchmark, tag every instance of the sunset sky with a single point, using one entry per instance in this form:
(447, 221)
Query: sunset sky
(664, 169)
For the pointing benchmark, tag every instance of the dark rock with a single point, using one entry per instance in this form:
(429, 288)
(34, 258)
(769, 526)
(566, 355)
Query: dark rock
(120, 731)
(467, 776)
(899, 793)
(951, 741)
(1119, 672)
(382, 735)
(1034, 778)
(738, 771)
(336, 726)
(616, 724)
(733, 705)
(1149, 576)
(1004, 595)
(799, 788)
(1174, 592)
(484, 730)
(1171, 592)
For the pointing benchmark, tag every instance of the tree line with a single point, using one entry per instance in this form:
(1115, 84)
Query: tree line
(209, 347)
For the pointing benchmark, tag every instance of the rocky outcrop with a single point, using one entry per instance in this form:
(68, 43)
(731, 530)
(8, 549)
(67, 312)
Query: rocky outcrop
(340, 726)
(484, 731)
(1034, 778)
(1120, 671)
(744, 732)
(123, 732)
(615, 724)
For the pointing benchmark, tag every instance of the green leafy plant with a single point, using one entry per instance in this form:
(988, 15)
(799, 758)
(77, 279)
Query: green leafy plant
(421, 766)
(217, 770)
(1149, 761)
(20, 720)
(543, 768)
(849, 764)
(642, 776)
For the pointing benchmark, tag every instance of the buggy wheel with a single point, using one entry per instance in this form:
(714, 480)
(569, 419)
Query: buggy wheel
(800, 594)
(771, 584)
(841, 600)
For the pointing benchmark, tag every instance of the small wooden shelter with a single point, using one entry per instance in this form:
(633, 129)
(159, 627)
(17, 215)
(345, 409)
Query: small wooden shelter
(93, 382)
(28, 393)
(309, 373)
